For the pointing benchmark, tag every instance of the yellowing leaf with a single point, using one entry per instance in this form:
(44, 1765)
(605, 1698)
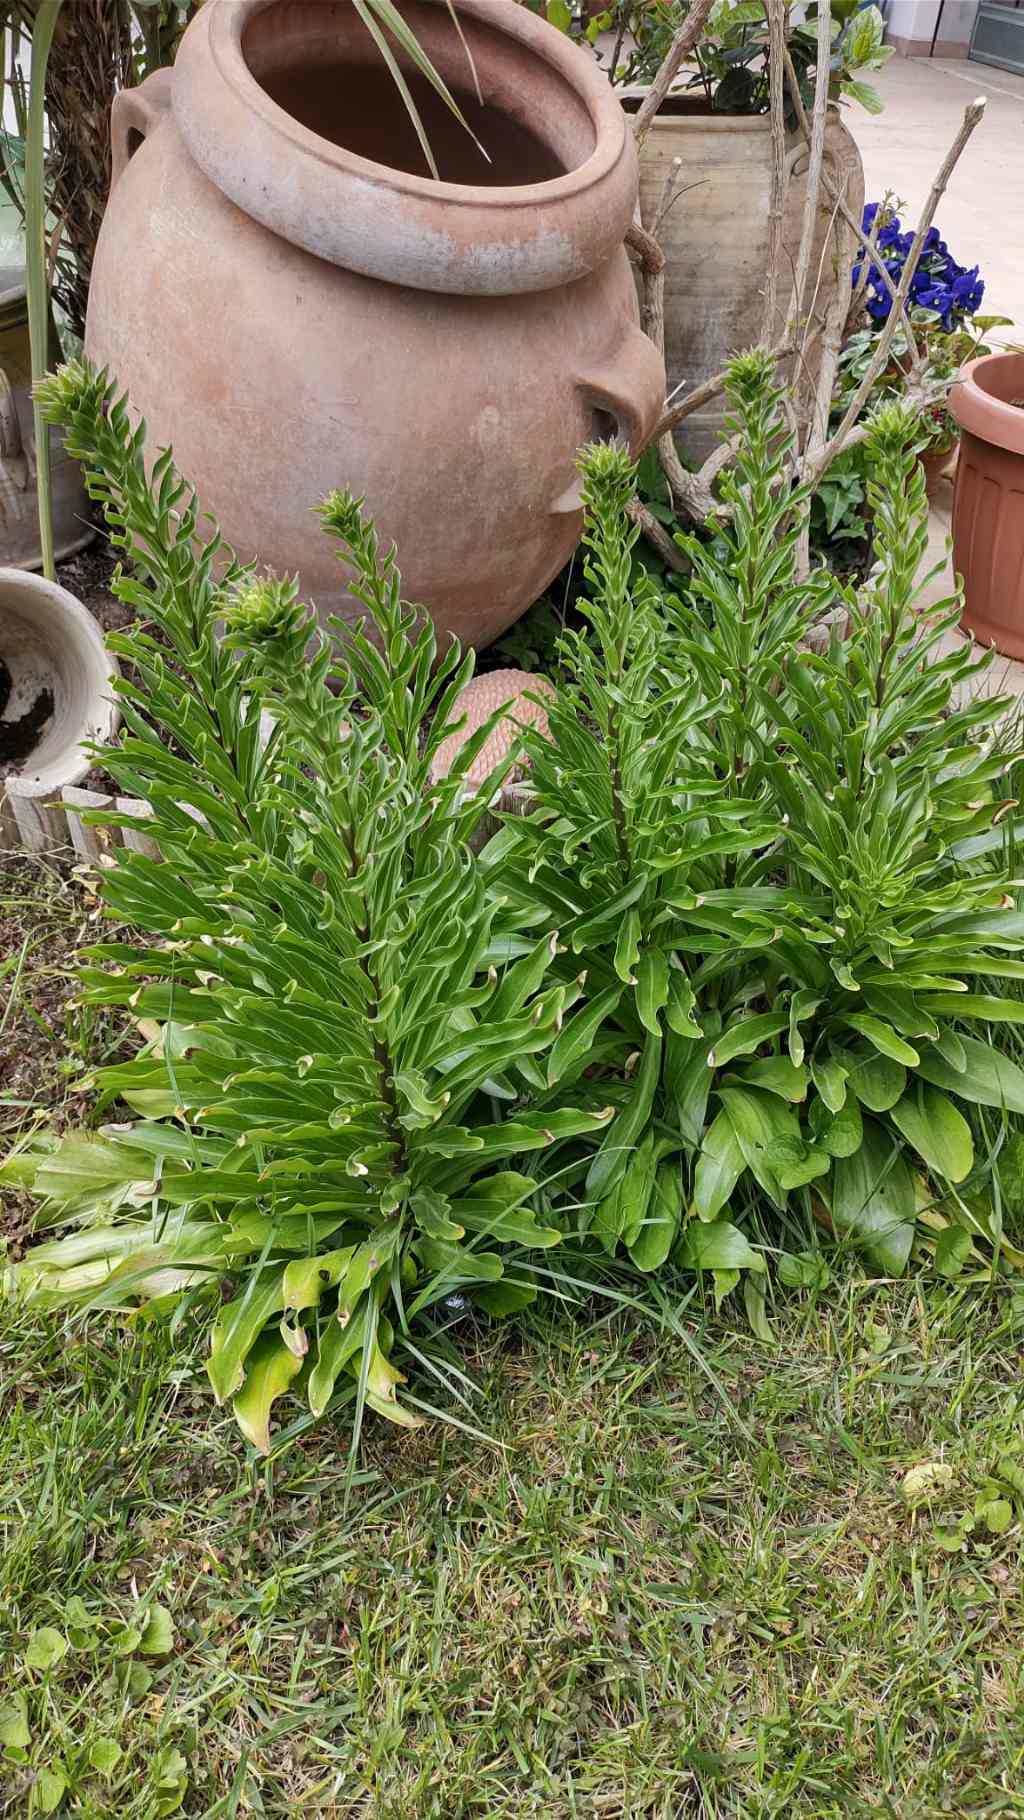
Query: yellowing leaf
(237, 1327)
(105, 1754)
(270, 1369)
(932, 1479)
(14, 1731)
(306, 1279)
(49, 1789)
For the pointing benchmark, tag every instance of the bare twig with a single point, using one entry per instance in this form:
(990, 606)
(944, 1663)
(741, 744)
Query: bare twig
(671, 195)
(776, 10)
(701, 394)
(870, 250)
(678, 51)
(828, 367)
(836, 197)
(819, 121)
(645, 248)
(847, 242)
(818, 460)
(657, 535)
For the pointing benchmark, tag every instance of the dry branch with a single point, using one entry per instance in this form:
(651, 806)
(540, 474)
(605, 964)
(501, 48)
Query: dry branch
(657, 535)
(818, 460)
(678, 51)
(838, 199)
(776, 10)
(819, 120)
(814, 450)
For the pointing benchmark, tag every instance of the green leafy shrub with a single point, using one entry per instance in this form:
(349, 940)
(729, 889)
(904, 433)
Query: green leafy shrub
(782, 869)
(322, 1014)
(737, 956)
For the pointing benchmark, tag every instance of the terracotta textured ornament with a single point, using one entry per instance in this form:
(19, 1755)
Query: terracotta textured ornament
(478, 700)
(295, 304)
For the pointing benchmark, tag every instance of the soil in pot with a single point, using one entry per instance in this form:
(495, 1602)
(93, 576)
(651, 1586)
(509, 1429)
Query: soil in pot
(20, 735)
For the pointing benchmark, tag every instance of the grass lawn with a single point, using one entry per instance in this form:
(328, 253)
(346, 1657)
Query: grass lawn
(647, 1597)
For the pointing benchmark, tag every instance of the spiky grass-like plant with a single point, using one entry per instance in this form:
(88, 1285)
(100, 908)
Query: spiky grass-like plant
(782, 871)
(318, 1123)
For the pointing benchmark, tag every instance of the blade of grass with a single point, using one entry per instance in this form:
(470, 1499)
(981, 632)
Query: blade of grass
(18, 964)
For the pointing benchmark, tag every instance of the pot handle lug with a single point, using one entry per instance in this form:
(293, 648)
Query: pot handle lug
(133, 115)
(625, 399)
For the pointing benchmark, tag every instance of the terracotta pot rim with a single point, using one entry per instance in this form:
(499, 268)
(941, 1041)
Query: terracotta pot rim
(633, 97)
(980, 412)
(388, 223)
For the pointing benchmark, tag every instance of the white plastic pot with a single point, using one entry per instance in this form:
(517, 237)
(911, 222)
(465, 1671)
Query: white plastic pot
(61, 675)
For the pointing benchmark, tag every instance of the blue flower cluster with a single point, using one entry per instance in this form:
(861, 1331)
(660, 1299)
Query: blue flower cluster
(952, 291)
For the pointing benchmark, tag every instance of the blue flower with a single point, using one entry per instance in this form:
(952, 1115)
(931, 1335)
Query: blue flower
(951, 291)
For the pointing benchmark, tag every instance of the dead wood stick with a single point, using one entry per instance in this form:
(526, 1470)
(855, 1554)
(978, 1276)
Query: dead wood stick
(836, 196)
(819, 120)
(832, 334)
(776, 10)
(818, 459)
(657, 535)
(676, 55)
(644, 246)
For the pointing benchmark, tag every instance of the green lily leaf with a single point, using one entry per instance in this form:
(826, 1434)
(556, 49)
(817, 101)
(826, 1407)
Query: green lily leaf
(873, 1200)
(270, 1368)
(934, 1128)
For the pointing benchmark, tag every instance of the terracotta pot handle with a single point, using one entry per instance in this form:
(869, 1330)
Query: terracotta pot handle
(133, 115)
(625, 399)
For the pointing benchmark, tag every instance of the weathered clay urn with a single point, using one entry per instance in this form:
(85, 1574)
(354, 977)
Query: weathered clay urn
(295, 304)
(988, 504)
(714, 234)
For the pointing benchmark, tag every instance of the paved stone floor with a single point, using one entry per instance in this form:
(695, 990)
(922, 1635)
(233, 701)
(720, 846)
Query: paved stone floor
(981, 215)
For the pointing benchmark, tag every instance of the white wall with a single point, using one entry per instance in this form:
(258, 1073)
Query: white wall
(913, 22)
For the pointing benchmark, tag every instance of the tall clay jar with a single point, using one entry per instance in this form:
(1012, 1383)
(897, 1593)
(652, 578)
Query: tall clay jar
(988, 504)
(715, 237)
(295, 304)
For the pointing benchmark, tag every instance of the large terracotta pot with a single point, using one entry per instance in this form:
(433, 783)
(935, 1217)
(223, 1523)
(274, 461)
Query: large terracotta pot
(988, 504)
(295, 306)
(715, 239)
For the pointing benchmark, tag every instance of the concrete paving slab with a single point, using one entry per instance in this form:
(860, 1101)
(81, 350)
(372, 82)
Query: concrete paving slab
(981, 216)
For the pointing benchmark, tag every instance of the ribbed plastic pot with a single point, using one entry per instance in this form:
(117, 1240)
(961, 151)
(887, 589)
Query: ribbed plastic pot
(988, 504)
(297, 305)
